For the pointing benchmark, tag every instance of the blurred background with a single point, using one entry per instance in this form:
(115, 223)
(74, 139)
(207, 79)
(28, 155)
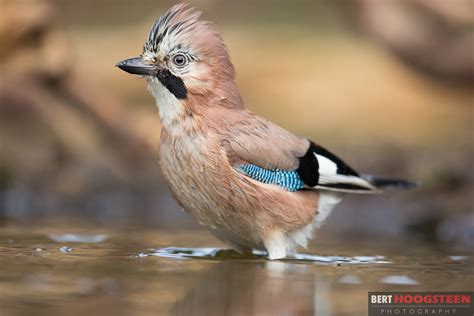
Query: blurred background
(387, 85)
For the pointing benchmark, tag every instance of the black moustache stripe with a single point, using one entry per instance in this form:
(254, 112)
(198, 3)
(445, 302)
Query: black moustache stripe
(174, 84)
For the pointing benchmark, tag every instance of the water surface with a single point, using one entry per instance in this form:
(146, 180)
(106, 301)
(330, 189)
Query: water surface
(64, 270)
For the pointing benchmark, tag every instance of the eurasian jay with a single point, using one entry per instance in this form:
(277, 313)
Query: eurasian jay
(251, 183)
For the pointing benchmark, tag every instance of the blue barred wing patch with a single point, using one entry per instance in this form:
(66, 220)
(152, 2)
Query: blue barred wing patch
(290, 180)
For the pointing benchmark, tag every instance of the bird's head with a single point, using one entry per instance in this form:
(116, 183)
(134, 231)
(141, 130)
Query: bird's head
(183, 59)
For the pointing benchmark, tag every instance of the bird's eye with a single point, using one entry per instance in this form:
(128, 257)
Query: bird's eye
(180, 60)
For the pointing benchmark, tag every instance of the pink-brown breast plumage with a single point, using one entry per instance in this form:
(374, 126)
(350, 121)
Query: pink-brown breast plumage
(197, 164)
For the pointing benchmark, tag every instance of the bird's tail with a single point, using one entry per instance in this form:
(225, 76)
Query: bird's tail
(382, 183)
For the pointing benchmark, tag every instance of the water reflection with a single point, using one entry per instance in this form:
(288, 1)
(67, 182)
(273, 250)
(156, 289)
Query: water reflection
(248, 288)
(65, 249)
(79, 238)
(349, 279)
(398, 279)
(125, 275)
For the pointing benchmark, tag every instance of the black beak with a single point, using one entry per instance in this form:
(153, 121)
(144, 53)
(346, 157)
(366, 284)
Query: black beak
(136, 66)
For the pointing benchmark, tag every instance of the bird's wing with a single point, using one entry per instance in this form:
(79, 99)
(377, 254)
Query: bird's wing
(270, 154)
(258, 141)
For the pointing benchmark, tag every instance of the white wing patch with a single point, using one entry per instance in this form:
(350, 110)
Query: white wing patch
(342, 179)
(326, 166)
(329, 178)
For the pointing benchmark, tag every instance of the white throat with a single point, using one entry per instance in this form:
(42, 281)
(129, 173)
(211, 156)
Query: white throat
(169, 106)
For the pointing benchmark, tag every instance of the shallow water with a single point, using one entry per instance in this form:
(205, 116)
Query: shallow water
(64, 270)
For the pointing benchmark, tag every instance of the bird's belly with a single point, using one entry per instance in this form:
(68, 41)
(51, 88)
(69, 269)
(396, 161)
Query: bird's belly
(202, 188)
(235, 208)
(199, 196)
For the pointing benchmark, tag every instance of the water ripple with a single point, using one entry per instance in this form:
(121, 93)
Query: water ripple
(224, 254)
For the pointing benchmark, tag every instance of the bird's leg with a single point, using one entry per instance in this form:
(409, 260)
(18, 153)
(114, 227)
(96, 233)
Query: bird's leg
(275, 242)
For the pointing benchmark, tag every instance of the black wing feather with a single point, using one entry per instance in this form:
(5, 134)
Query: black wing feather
(343, 179)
